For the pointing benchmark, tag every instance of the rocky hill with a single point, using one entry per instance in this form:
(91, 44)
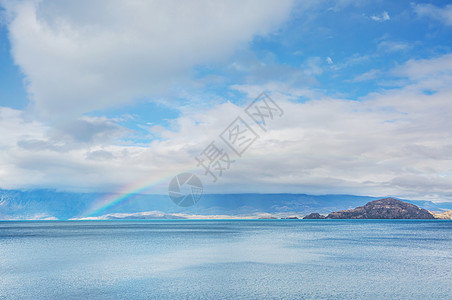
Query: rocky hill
(388, 208)
(447, 215)
(314, 216)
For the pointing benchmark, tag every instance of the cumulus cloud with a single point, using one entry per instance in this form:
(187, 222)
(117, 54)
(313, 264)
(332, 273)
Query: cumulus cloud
(396, 142)
(443, 14)
(77, 133)
(78, 57)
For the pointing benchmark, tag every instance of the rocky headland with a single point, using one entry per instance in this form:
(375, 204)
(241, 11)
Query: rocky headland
(387, 208)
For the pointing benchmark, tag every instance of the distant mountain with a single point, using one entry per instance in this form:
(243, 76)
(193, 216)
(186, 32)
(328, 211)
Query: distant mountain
(50, 204)
(388, 208)
(147, 215)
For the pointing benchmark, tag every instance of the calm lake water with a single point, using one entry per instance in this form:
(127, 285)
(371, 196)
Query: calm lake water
(262, 259)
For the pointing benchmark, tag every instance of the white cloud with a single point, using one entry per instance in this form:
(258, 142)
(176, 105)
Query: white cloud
(384, 16)
(393, 46)
(372, 74)
(423, 69)
(443, 15)
(313, 66)
(396, 142)
(78, 57)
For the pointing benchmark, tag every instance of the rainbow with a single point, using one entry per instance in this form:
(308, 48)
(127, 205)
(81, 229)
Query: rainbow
(127, 193)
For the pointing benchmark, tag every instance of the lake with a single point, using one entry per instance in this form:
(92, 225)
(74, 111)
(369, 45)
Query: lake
(223, 259)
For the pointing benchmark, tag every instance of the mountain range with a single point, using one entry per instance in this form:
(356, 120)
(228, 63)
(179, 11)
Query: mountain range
(51, 204)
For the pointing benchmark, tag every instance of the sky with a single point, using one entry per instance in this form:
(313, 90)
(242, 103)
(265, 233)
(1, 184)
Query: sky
(104, 95)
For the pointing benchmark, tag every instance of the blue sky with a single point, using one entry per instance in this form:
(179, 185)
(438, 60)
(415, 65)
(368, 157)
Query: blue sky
(13, 93)
(96, 95)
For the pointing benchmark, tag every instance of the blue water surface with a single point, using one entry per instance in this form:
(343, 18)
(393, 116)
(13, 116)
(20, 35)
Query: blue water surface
(219, 259)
